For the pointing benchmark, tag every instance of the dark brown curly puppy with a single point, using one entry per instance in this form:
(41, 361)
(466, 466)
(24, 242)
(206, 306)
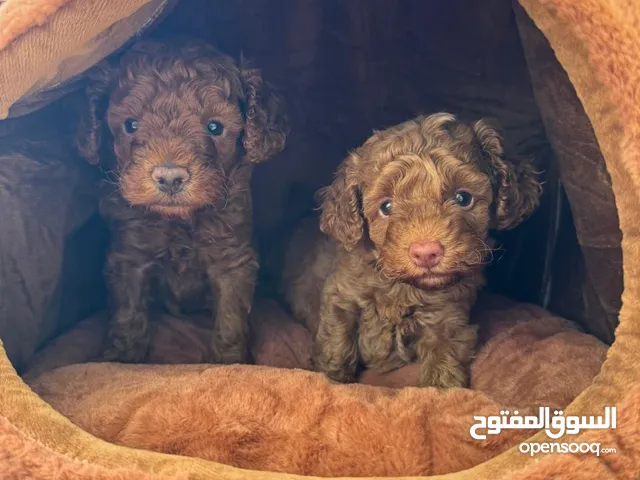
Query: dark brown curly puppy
(409, 215)
(184, 124)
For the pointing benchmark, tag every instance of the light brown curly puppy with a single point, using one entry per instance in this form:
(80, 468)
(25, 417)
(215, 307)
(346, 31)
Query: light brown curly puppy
(177, 127)
(409, 214)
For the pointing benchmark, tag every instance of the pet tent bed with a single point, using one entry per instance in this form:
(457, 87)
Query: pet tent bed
(563, 77)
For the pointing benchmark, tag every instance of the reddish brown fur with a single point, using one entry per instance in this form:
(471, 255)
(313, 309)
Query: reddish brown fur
(368, 302)
(191, 250)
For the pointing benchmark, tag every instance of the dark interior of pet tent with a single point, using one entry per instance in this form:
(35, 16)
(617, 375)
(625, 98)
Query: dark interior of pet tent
(345, 68)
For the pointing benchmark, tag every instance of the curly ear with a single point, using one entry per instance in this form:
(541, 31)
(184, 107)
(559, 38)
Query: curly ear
(90, 127)
(266, 126)
(517, 189)
(339, 203)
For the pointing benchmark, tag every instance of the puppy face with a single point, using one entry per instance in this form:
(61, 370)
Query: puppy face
(427, 192)
(175, 135)
(181, 117)
(428, 217)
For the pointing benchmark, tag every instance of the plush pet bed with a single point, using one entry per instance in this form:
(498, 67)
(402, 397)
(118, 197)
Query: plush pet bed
(562, 74)
(296, 421)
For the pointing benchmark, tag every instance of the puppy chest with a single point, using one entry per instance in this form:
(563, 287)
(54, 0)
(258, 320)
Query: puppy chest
(182, 277)
(388, 334)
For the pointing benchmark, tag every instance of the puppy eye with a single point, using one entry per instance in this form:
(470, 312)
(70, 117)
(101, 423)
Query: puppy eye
(215, 128)
(463, 199)
(130, 125)
(385, 208)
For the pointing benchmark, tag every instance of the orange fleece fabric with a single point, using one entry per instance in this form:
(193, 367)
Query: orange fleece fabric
(276, 419)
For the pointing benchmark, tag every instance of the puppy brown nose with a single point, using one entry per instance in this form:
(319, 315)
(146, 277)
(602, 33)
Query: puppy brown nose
(170, 179)
(426, 254)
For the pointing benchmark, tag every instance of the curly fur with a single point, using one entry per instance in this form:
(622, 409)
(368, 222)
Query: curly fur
(358, 290)
(193, 250)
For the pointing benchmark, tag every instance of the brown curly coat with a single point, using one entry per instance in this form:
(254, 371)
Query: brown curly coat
(191, 250)
(361, 293)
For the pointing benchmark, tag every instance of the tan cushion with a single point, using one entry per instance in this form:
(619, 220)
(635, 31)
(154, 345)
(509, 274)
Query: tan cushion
(58, 44)
(294, 421)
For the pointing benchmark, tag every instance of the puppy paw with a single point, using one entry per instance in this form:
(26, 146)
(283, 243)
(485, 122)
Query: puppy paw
(114, 354)
(341, 376)
(128, 351)
(445, 360)
(443, 376)
(229, 355)
(337, 367)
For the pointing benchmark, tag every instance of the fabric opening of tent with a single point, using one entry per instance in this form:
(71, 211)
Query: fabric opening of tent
(559, 319)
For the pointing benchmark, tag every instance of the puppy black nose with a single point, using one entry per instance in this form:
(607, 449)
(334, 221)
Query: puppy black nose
(170, 179)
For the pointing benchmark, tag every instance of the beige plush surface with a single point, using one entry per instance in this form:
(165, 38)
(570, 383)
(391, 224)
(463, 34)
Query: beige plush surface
(18, 16)
(32, 67)
(296, 421)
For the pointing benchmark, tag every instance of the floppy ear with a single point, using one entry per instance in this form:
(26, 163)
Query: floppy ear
(516, 188)
(266, 125)
(340, 217)
(90, 127)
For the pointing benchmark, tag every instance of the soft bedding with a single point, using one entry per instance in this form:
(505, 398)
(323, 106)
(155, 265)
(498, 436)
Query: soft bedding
(270, 418)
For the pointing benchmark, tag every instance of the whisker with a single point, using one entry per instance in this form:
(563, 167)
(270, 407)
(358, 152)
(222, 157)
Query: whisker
(381, 272)
(226, 191)
(484, 255)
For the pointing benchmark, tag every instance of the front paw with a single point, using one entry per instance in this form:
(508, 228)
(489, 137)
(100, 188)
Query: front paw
(336, 373)
(445, 357)
(126, 350)
(444, 375)
(441, 369)
(341, 376)
(227, 354)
